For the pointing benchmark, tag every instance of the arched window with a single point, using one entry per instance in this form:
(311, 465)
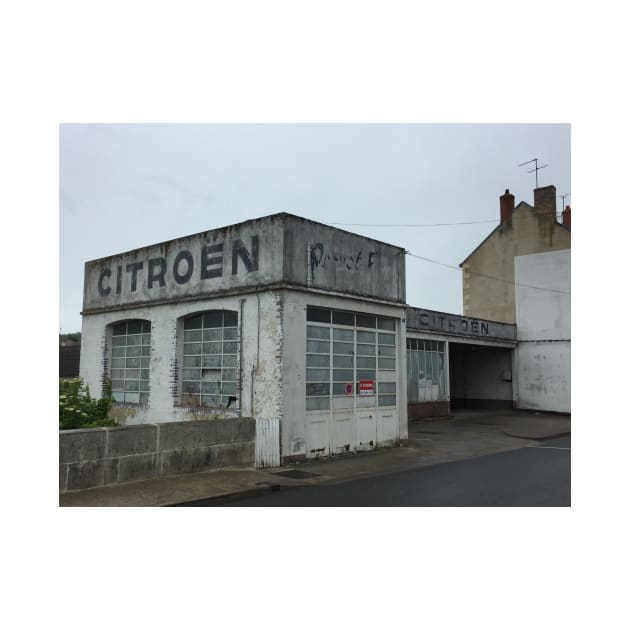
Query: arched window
(209, 375)
(131, 354)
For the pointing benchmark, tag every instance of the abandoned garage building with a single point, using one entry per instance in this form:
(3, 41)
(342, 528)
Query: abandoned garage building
(288, 321)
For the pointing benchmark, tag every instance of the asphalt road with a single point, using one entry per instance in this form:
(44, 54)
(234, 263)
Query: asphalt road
(539, 475)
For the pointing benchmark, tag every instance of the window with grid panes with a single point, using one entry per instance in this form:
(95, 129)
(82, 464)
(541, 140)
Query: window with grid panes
(317, 359)
(426, 376)
(356, 354)
(131, 354)
(386, 362)
(210, 370)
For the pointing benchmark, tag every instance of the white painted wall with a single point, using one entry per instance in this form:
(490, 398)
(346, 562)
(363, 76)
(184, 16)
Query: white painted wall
(544, 376)
(543, 320)
(543, 314)
(252, 268)
(265, 370)
(295, 424)
(273, 366)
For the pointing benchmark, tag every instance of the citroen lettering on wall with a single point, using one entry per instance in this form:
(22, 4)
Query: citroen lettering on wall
(208, 263)
(422, 319)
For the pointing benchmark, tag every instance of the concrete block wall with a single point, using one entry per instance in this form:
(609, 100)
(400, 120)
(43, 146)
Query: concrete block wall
(90, 458)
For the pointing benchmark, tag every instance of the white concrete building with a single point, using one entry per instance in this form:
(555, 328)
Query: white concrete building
(305, 328)
(278, 318)
(543, 321)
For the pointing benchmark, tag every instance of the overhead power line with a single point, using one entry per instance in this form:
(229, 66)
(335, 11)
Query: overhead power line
(483, 275)
(413, 224)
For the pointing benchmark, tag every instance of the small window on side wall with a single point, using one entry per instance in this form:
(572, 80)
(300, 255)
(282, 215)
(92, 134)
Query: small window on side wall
(130, 359)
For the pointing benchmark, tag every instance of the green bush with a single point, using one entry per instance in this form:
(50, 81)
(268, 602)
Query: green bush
(78, 410)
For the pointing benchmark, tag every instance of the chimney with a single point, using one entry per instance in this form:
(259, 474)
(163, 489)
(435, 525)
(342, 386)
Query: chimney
(545, 200)
(566, 217)
(506, 203)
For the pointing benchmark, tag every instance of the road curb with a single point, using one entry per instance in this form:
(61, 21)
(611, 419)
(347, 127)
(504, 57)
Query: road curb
(229, 496)
(537, 437)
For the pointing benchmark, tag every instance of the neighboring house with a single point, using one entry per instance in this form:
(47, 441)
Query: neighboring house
(543, 323)
(488, 272)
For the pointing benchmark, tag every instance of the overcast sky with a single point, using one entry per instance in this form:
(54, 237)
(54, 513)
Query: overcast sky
(128, 186)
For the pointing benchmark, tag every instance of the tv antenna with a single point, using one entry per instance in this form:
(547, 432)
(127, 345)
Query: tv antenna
(536, 168)
(563, 196)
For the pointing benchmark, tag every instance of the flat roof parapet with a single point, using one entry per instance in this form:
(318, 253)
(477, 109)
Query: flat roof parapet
(276, 250)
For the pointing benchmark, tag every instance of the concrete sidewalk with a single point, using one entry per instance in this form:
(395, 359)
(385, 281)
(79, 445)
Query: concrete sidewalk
(464, 435)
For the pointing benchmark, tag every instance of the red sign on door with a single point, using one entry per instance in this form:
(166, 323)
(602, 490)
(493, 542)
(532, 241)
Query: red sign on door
(366, 388)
